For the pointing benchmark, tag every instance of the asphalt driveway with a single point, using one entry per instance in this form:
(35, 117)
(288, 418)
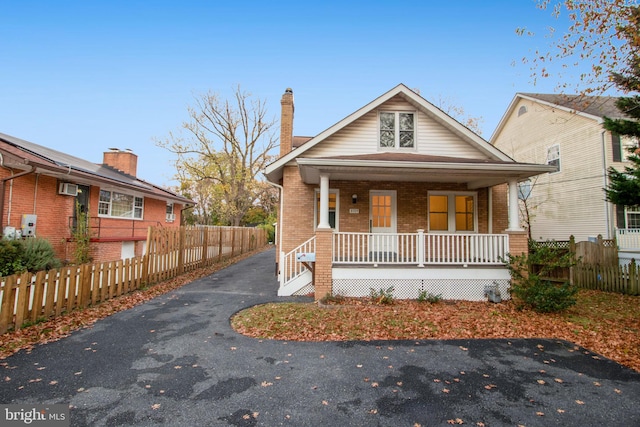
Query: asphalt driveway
(176, 361)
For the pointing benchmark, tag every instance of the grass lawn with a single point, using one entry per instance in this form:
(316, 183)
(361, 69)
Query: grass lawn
(606, 323)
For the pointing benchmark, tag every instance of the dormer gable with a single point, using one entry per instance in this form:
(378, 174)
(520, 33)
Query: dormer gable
(399, 121)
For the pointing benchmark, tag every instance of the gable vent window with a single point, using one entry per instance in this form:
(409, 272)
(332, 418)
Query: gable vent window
(522, 110)
(397, 130)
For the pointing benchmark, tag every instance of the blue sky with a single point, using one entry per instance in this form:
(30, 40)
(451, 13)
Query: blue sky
(84, 76)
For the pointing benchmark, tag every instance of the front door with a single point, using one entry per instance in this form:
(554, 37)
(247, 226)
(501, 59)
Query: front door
(82, 204)
(382, 224)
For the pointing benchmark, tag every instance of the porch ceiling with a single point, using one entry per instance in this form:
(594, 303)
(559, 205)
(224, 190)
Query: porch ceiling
(474, 173)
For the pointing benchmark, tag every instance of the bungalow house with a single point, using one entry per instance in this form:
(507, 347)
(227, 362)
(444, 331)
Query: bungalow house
(41, 187)
(566, 131)
(397, 194)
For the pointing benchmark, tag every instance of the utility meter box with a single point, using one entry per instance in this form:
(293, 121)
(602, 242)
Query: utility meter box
(29, 225)
(306, 257)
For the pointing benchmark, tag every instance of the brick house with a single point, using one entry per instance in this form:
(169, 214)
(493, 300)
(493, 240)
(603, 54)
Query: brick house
(41, 187)
(397, 194)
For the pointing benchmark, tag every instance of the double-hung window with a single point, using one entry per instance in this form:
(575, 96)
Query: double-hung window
(333, 209)
(553, 156)
(524, 189)
(623, 147)
(397, 130)
(452, 212)
(170, 215)
(632, 214)
(120, 205)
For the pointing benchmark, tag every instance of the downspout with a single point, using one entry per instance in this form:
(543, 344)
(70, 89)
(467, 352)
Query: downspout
(605, 183)
(279, 244)
(2, 186)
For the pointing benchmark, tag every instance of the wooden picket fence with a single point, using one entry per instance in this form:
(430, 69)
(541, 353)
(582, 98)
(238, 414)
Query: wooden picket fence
(597, 266)
(609, 278)
(28, 298)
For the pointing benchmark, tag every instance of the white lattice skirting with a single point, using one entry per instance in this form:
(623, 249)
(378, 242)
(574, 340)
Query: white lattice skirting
(467, 284)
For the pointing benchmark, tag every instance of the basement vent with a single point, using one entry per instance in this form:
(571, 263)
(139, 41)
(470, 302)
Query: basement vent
(68, 189)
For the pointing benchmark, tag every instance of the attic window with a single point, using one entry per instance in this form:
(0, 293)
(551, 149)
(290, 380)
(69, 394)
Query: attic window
(522, 110)
(397, 130)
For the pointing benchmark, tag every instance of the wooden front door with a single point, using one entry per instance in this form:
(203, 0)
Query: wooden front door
(382, 223)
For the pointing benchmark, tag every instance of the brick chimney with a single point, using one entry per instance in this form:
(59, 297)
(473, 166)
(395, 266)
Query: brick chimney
(286, 122)
(123, 160)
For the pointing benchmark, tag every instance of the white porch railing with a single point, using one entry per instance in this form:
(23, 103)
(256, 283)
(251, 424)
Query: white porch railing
(628, 239)
(420, 248)
(290, 268)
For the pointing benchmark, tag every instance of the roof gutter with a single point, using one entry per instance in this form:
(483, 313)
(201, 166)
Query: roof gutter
(504, 167)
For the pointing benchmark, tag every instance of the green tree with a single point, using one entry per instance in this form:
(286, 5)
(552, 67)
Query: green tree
(593, 44)
(624, 186)
(228, 144)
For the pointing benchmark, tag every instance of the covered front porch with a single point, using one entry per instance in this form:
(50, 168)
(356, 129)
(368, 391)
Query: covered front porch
(453, 266)
(416, 229)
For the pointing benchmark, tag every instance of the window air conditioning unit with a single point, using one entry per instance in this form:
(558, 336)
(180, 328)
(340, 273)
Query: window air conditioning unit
(171, 217)
(68, 189)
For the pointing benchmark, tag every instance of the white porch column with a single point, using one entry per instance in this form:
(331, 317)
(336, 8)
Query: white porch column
(514, 213)
(324, 202)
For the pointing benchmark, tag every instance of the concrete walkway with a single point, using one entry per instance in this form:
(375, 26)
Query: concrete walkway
(176, 361)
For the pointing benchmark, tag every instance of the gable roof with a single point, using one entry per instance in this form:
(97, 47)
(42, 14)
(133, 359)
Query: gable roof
(420, 103)
(415, 162)
(20, 154)
(591, 107)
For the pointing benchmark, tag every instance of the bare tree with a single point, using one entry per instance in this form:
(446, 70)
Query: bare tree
(226, 147)
(452, 108)
(593, 45)
(529, 205)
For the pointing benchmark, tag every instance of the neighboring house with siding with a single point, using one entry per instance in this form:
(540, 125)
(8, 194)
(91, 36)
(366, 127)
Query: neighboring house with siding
(397, 194)
(566, 131)
(40, 188)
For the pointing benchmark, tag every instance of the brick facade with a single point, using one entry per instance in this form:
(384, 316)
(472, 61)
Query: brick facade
(518, 243)
(37, 194)
(323, 274)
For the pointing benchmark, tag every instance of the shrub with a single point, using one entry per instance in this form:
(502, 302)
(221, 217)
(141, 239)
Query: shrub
(532, 289)
(425, 296)
(11, 257)
(332, 299)
(270, 230)
(383, 296)
(39, 255)
(544, 296)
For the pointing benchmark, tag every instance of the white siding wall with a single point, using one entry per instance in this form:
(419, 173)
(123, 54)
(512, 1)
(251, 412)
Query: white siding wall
(570, 202)
(361, 137)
